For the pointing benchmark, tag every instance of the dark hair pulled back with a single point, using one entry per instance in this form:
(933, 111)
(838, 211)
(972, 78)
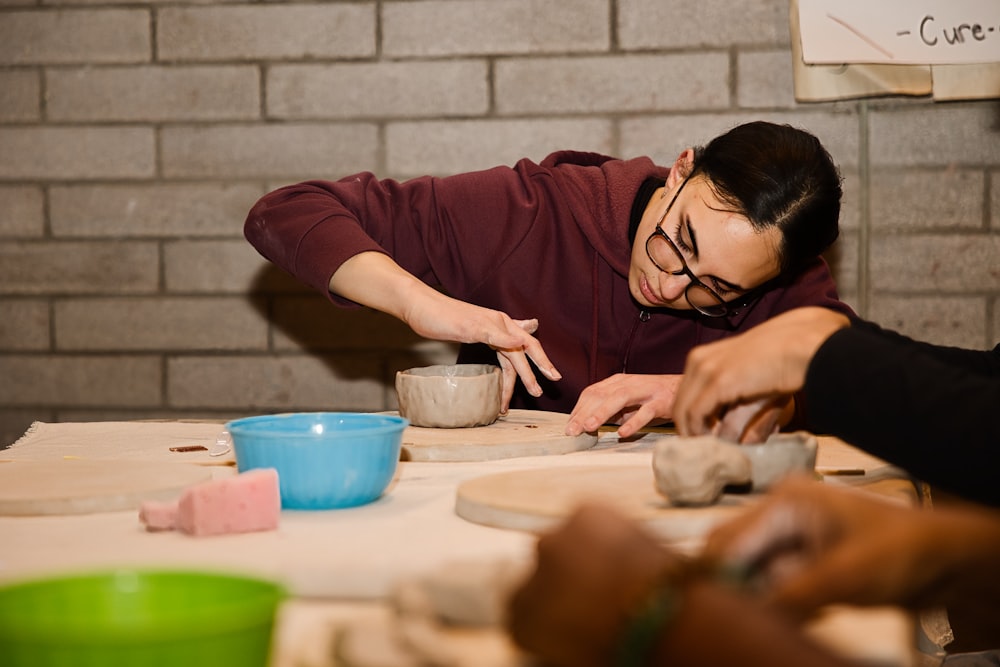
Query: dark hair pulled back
(777, 175)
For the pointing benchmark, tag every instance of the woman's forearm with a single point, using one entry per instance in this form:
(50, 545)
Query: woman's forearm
(374, 279)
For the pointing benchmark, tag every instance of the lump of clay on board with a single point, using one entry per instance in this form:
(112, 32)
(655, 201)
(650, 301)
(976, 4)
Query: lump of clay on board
(694, 471)
(780, 455)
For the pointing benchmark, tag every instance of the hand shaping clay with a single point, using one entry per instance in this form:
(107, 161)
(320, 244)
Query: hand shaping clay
(694, 471)
(450, 396)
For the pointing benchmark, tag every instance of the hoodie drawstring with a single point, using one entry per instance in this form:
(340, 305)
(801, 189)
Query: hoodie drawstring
(644, 316)
(594, 319)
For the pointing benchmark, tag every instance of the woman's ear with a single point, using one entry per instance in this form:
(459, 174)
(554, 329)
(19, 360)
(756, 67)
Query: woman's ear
(681, 169)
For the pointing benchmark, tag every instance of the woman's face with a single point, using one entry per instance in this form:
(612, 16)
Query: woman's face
(720, 247)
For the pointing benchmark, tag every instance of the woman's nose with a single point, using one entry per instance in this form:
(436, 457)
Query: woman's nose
(673, 286)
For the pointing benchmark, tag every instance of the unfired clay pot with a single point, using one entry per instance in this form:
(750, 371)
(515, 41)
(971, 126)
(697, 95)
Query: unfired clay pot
(695, 470)
(780, 455)
(450, 396)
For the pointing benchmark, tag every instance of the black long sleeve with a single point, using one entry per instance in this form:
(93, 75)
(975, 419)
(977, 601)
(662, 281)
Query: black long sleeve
(932, 410)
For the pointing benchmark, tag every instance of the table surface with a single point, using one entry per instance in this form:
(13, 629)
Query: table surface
(342, 563)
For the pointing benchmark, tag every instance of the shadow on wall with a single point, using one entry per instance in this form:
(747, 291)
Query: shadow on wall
(301, 321)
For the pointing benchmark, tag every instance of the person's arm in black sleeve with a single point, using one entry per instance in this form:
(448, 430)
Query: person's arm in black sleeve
(930, 410)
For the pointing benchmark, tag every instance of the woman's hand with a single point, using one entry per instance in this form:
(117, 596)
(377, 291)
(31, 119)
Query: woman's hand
(591, 574)
(375, 280)
(441, 317)
(632, 400)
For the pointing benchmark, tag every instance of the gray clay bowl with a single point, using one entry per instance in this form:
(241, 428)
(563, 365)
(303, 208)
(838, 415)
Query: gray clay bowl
(450, 396)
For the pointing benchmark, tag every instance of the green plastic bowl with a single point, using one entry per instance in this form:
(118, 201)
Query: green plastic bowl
(136, 617)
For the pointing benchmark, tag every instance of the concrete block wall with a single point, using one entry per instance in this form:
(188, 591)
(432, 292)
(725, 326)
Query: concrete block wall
(134, 137)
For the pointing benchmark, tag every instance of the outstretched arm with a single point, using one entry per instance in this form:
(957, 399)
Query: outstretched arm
(390, 246)
(375, 280)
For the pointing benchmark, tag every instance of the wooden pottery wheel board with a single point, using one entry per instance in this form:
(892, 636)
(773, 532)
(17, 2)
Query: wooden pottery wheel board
(536, 500)
(71, 486)
(518, 433)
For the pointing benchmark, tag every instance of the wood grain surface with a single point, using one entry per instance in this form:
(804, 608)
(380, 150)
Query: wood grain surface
(82, 486)
(536, 500)
(518, 433)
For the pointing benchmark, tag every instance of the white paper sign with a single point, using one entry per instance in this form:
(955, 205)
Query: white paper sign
(901, 32)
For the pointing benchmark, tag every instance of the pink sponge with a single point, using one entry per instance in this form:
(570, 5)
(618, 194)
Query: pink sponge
(245, 503)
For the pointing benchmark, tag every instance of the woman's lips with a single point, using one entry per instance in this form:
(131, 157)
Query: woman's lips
(649, 294)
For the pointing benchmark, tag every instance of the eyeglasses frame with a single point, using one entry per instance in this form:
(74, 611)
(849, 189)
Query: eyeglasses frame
(729, 308)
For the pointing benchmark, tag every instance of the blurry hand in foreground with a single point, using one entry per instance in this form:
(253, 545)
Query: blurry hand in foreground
(591, 574)
(813, 545)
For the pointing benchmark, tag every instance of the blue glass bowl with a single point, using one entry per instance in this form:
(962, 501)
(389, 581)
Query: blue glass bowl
(325, 460)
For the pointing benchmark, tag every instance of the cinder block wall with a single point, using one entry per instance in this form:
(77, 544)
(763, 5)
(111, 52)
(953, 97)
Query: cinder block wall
(134, 136)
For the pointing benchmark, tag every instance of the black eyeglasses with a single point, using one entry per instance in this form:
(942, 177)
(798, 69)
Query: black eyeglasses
(668, 258)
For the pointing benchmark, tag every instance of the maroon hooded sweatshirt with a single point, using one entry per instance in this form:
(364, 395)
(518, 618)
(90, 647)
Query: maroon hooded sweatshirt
(548, 241)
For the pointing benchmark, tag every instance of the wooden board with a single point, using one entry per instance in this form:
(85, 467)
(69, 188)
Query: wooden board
(536, 500)
(86, 486)
(518, 433)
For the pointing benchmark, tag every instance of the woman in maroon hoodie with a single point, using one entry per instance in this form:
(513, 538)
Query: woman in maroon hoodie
(582, 266)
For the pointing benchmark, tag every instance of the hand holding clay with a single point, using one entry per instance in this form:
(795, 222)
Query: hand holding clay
(755, 421)
(813, 545)
(770, 360)
(602, 585)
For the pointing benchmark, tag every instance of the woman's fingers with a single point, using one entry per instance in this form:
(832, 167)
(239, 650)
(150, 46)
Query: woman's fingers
(602, 402)
(530, 326)
(515, 346)
(636, 420)
(512, 339)
(509, 381)
(636, 399)
(534, 351)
